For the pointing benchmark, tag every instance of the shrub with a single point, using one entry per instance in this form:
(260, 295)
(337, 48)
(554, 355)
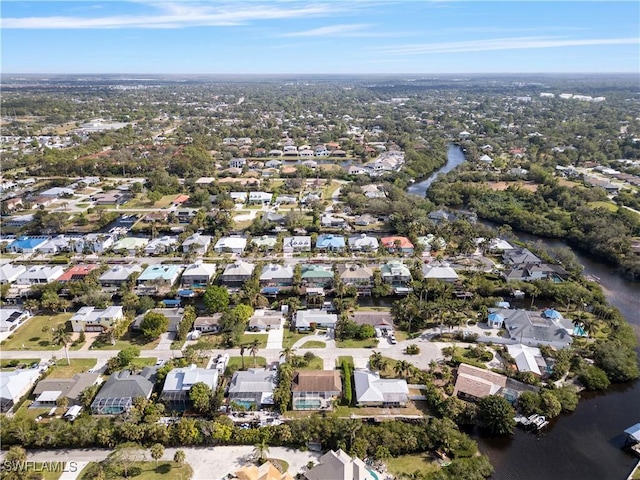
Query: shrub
(412, 349)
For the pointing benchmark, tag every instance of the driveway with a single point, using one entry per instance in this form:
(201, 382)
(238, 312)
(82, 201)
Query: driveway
(275, 336)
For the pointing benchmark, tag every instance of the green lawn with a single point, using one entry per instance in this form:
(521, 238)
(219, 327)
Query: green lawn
(143, 202)
(313, 344)
(130, 338)
(247, 339)
(409, 464)
(43, 472)
(315, 364)
(11, 364)
(607, 205)
(348, 359)
(143, 362)
(31, 413)
(236, 362)
(352, 343)
(78, 365)
(30, 336)
(290, 338)
(149, 471)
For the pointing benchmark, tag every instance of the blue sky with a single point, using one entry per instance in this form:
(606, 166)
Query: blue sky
(356, 36)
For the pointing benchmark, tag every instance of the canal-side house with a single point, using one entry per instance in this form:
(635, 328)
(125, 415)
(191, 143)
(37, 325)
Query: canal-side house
(118, 393)
(441, 272)
(353, 274)
(179, 381)
(363, 243)
(397, 244)
(230, 245)
(315, 389)
(474, 383)
(395, 273)
(300, 243)
(198, 275)
(252, 388)
(117, 275)
(77, 272)
(306, 320)
(131, 245)
(330, 243)
(159, 276)
(197, 243)
(92, 319)
(274, 275)
(535, 328)
(27, 244)
(236, 274)
(316, 276)
(161, 245)
(373, 391)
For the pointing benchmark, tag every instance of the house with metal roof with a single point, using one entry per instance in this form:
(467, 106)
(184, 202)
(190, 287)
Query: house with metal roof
(363, 243)
(528, 359)
(198, 274)
(442, 272)
(314, 275)
(37, 274)
(264, 242)
(395, 273)
(252, 388)
(9, 272)
(275, 275)
(330, 243)
(91, 319)
(309, 319)
(132, 245)
(50, 390)
(118, 274)
(535, 328)
(315, 389)
(160, 275)
(118, 393)
(12, 318)
(230, 245)
(161, 245)
(197, 243)
(237, 273)
(178, 383)
(27, 244)
(373, 391)
(300, 243)
(339, 466)
(14, 385)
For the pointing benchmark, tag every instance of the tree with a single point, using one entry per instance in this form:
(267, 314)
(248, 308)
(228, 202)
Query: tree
(495, 414)
(200, 395)
(551, 406)
(261, 450)
(594, 378)
(287, 353)
(154, 324)
(618, 361)
(62, 337)
(13, 464)
(216, 299)
(157, 451)
(180, 457)
(255, 345)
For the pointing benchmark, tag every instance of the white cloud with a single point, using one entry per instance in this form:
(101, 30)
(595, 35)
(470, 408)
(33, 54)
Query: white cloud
(364, 30)
(514, 43)
(177, 15)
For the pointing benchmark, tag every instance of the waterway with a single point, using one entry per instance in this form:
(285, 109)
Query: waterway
(586, 444)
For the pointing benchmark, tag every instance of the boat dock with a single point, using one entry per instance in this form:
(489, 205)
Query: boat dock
(632, 441)
(532, 422)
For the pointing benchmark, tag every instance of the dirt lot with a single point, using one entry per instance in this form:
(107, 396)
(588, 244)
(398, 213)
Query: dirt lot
(532, 187)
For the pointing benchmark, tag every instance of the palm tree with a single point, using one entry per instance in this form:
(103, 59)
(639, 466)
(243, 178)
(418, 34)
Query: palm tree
(255, 345)
(62, 337)
(287, 353)
(242, 355)
(374, 360)
(261, 450)
(402, 368)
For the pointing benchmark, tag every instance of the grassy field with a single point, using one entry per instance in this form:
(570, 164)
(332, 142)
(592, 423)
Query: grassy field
(313, 344)
(247, 339)
(32, 413)
(292, 337)
(352, 343)
(11, 364)
(143, 202)
(78, 365)
(31, 336)
(148, 471)
(128, 339)
(144, 362)
(236, 362)
(608, 205)
(315, 364)
(409, 464)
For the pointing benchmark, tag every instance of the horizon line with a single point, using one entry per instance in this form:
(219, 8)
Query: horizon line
(630, 72)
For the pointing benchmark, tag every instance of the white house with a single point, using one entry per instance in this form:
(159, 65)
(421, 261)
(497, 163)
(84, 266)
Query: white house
(363, 243)
(91, 319)
(237, 162)
(198, 274)
(373, 391)
(12, 318)
(262, 198)
(306, 319)
(40, 274)
(301, 243)
(14, 385)
(161, 245)
(9, 272)
(118, 274)
(197, 243)
(230, 244)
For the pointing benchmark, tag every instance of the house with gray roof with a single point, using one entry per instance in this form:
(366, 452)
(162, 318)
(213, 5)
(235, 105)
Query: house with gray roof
(118, 393)
(12, 318)
(339, 466)
(373, 391)
(363, 243)
(178, 383)
(198, 275)
(50, 390)
(264, 242)
(118, 274)
(520, 256)
(535, 328)
(197, 243)
(173, 315)
(301, 243)
(14, 385)
(9, 272)
(275, 275)
(237, 273)
(308, 319)
(252, 388)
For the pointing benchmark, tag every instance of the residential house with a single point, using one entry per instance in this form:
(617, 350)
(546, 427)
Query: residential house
(197, 243)
(238, 197)
(301, 243)
(57, 192)
(95, 243)
(15, 384)
(206, 325)
(9, 272)
(132, 245)
(237, 273)
(12, 318)
(37, 274)
(273, 164)
(265, 320)
(357, 170)
(315, 389)
(314, 275)
(198, 275)
(186, 215)
(27, 244)
(275, 275)
(260, 198)
(91, 319)
(274, 217)
(331, 221)
(252, 388)
(161, 245)
(51, 390)
(237, 162)
(113, 197)
(373, 191)
(160, 276)
(380, 320)
(264, 242)
(474, 383)
(373, 391)
(118, 275)
(363, 243)
(178, 383)
(357, 275)
(520, 256)
(440, 216)
(118, 393)
(364, 221)
(57, 244)
(442, 272)
(266, 471)
(285, 200)
(305, 320)
(230, 245)
(536, 328)
(528, 359)
(173, 315)
(77, 272)
(530, 272)
(339, 466)
(395, 273)
(330, 243)
(397, 245)
(431, 242)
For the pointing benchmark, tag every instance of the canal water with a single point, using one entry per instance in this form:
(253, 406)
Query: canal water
(586, 444)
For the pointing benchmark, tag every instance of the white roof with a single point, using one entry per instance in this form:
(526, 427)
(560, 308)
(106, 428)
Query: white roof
(525, 357)
(371, 388)
(200, 269)
(182, 379)
(231, 242)
(9, 272)
(440, 272)
(16, 383)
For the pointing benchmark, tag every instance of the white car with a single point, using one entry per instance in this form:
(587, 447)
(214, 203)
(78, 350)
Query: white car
(392, 339)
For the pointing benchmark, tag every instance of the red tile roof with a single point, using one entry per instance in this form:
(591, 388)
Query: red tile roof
(77, 272)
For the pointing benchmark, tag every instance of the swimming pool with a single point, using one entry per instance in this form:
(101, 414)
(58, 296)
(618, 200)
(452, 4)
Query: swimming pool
(307, 404)
(373, 474)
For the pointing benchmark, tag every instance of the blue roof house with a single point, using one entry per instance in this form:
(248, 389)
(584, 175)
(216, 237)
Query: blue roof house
(495, 320)
(331, 243)
(165, 275)
(26, 244)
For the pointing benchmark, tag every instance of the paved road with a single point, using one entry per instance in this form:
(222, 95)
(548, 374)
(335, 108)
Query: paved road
(208, 463)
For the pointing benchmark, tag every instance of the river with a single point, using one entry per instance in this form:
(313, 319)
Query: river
(586, 444)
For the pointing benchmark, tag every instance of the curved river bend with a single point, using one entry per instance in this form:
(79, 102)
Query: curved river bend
(586, 444)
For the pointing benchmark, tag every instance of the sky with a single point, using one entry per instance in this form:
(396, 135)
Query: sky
(319, 37)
